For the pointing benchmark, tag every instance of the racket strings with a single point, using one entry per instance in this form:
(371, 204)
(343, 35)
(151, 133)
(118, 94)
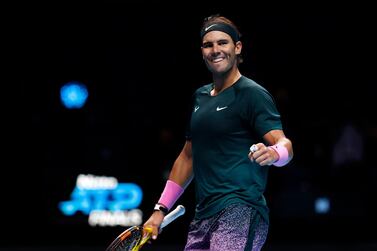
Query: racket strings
(128, 241)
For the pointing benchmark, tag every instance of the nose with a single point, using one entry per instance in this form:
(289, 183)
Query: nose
(215, 49)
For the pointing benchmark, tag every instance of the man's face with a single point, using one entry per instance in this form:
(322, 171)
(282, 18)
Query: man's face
(220, 52)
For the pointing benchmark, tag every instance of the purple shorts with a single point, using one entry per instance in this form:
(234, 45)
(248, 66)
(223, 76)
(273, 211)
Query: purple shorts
(237, 228)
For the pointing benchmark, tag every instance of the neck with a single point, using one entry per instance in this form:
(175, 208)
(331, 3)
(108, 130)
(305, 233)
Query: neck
(222, 82)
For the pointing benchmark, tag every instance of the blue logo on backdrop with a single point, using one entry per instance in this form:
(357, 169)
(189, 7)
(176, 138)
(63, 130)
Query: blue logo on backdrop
(107, 202)
(124, 196)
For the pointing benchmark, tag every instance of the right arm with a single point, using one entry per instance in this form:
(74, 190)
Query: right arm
(182, 174)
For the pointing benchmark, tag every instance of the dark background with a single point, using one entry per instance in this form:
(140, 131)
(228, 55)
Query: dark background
(141, 63)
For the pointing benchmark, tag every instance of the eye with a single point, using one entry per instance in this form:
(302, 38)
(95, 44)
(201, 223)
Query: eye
(207, 45)
(222, 42)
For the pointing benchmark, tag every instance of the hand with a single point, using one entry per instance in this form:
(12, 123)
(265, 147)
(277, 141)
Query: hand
(154, 223)
(262, 154)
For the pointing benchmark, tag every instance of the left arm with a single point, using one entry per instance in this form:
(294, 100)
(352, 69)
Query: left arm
(265, 155)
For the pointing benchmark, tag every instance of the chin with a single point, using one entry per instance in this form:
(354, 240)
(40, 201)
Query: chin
(219, 71)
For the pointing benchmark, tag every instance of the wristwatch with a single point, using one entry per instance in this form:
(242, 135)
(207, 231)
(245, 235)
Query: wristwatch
(159, 207)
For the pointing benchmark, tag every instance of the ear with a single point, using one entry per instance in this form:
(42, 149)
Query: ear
(238, 47)
(201, 49)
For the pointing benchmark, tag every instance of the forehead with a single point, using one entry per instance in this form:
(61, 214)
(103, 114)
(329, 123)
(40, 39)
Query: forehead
(213, 36)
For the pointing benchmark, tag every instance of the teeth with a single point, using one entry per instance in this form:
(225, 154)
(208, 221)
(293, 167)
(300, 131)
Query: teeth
(217, 60)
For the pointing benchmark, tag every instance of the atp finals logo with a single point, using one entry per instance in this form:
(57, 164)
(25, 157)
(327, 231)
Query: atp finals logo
(105, 201)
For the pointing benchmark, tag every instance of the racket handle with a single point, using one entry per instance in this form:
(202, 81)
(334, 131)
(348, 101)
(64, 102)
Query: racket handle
(178, 211)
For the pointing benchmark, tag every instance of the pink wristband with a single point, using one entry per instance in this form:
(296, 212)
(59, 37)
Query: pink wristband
(170, 194)
(283, 154)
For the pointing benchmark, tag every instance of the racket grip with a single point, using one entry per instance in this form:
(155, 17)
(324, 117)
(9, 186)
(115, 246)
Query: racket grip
(178, 211)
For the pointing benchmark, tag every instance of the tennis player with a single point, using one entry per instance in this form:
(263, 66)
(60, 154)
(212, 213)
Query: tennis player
(234, 136)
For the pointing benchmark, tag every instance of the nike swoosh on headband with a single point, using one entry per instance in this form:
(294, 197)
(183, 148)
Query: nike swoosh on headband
(209, 27)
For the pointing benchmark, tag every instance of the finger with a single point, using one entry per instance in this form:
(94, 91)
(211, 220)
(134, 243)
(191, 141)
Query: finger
(147, 230)
(262, 159)
(258, 154)
(266, 162)
(267, 157)
(251, 156)
(150, 230)
(154, 233)
(253, 148)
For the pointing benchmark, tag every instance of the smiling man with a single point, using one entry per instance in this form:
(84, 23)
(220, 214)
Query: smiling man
(234, 135)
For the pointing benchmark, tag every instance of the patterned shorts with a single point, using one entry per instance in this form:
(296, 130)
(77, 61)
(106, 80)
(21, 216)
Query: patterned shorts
(236, 228)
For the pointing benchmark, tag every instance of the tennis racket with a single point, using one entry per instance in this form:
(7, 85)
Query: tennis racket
(133, 238)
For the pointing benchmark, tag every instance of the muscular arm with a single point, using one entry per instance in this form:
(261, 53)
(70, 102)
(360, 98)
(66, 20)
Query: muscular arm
(182, 172)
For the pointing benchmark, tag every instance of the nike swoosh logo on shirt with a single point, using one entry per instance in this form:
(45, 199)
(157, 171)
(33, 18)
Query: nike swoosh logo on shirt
(221, 108)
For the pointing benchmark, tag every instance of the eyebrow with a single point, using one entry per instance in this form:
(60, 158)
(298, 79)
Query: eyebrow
(224, 40)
